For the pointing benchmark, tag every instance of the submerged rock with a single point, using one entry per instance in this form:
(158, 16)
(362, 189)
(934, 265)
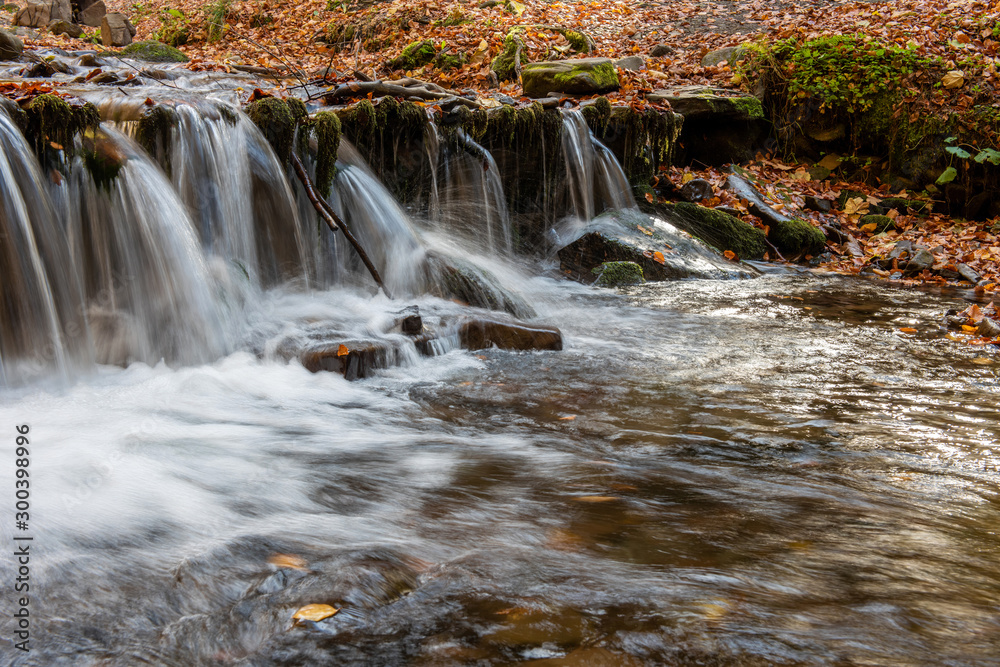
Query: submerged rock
(580, 76)
(352, 359)
(480, 334)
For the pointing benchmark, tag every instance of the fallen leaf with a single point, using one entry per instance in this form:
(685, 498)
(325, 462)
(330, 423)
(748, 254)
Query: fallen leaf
(567, 418)
(342, 351)
(869, 228)
(908, 330)
(314, 612)
(595, 499)
(982, 361)
(730, 255)
(830, 161)
(953, 79)
(659, 258)
(290, 561)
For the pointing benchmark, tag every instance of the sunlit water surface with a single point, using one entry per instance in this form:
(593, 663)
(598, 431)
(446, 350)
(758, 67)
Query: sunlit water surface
(753, 472)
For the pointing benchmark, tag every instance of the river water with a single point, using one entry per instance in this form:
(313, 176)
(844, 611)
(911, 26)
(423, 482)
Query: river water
(710, 472)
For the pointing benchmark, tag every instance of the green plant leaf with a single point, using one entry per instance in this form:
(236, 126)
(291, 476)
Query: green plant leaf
(960, 153)
(176, 13)
(947, 176)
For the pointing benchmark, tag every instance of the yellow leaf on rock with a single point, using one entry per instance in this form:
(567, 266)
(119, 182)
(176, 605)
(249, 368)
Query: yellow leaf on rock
(982, 361)
(831, 161)
(869, 228)
(314, 612)
(687, 176)
(288, 561)
(659, 258)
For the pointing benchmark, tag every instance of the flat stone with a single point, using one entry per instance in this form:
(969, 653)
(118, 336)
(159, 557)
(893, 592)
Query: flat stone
(10, 46)
(480, 334)
(94, 14)
(660, 50)
(968, 273)
(814, 203)
(352, 359)
(729, 54)
(923, 260)
(631, 63)
(579, 76)
(704, 102)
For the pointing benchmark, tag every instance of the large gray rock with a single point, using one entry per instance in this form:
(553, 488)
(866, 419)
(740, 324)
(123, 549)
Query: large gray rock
(60, 27)
(116, 30)
(580, 76)
(631, 63)
(10, 46)
(703, 102)
(39, 13)
(94, 14)
(730, 54)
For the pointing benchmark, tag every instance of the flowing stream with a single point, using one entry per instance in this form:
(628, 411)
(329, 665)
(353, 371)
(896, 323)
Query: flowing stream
(745, 472)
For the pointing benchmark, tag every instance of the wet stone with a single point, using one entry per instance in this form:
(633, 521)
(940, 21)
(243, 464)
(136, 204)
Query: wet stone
(352, 359)
(94, 14)
(481, 334)
(968, 273)
(61, 27)
(10, 46)
(923, 260)
(696, 190)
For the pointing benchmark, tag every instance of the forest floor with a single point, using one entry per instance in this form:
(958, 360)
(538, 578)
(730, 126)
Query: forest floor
(310, 35)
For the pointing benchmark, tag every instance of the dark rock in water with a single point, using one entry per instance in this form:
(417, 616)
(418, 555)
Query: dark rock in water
(116, 30)
(352, 359)
(10, 46)
(475, 286)
(480, 334)
(410, 322)
(617, 274)
(814, 203)
(39, 13)
(93, 15)
(62, 27)
(696, 190)
(792, 236)
(91, 60)
(721, 230)
(579, 76)
(923, 260)
(968, 273)
(105, 78)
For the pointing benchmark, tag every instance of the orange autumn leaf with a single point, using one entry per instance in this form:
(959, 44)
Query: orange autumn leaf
(659, 258)
(314, 612)
(908, 330)
(290, 561)
(342, 351)
(730, 255)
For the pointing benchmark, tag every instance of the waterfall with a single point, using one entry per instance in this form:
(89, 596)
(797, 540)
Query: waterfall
(595, 180)
(109, 271)
(469, 200)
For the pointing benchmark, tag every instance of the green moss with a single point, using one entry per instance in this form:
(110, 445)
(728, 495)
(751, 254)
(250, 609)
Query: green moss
(721, 230)
(597, 115)
(50, 121)
(603, 75)
(796, 237)
(577, 41)
(328, 131)
(276, 122)
(447, 61)
(228, 114)
(616, 274)
(361, 118)
(513, 46)
(414, 55)
(297, 108)
(153, 52)
(748, 107)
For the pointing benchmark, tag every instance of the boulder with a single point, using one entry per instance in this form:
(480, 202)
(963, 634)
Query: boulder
(729, 54)
(352, 359)
(480, 334)
(695, 102)
(39, 13)
(631, 63)
(696, 190)
(10, 46)
(61, 27)
(923, 260)
(116, 30)
(580, 76)
(883, 223)
(94, 14)
(660, 50)
(968, 273)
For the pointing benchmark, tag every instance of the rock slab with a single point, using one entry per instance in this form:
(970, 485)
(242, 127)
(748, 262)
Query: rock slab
(93, 15)
(39, 13)
(116, 30)
(10, 46)
(579, 76)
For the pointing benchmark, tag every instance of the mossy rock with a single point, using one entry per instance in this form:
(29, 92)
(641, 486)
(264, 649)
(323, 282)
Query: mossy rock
(883, 223)
(503, 65)
(617, 274)
(154, 132)
(326, 126)
(414, 55)
(796, 237)
(581, 76)
(277, 122)
(721, 230)
(151, 51)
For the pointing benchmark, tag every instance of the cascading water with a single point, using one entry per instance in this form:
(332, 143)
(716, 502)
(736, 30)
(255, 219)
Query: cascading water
(469, 198)
(595, 180)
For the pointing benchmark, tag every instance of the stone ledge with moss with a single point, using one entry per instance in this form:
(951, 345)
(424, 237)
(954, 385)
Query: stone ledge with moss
(580, 76)
(700, 101)
(720, 230)
(151, 51)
